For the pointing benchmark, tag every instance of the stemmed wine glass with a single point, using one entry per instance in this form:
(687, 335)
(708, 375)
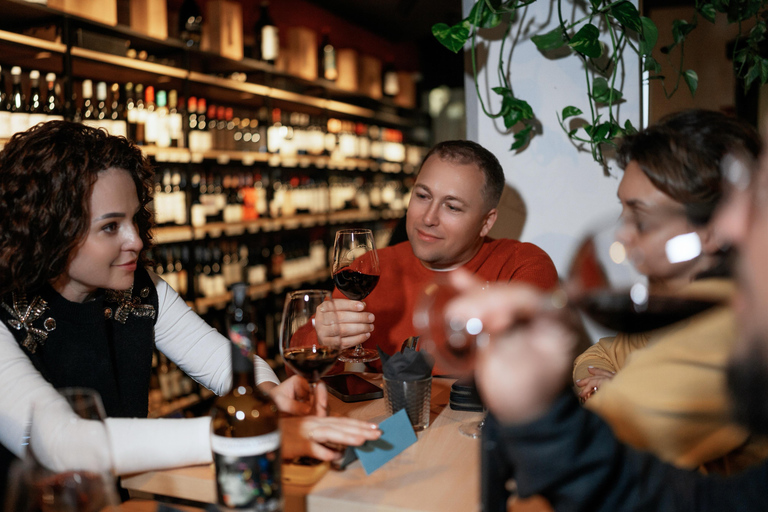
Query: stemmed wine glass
(309, 348)
(356, 273)
(34, 487)
(606, 281)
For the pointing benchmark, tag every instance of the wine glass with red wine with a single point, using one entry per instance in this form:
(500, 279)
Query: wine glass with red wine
(306, 353)
(33, 487)
(356, 273)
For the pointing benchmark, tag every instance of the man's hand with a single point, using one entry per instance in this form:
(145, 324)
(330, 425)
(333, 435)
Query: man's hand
(528, 360)
(317, 437)
(293, 397)
(356, 324)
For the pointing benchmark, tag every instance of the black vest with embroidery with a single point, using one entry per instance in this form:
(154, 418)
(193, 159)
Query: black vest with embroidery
(104, 344)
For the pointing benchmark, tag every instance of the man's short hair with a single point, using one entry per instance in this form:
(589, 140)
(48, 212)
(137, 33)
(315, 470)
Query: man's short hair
(466, 152)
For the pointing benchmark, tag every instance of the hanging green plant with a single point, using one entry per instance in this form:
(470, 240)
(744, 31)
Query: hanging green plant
(620, 23)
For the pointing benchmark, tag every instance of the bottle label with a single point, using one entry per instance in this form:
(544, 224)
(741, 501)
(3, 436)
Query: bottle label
(269, 43)
(248, 472)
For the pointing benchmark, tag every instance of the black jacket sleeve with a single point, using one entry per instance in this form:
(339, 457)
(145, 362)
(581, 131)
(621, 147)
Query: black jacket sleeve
(571, 457)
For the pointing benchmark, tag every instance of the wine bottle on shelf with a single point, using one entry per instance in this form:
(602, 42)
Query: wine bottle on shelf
(162, 121)
(151, 128)
(88, 111)
(52, 107)
(36, 102)
(191, 124)
(246, 434)
(190, 24)
(326, 58)
(390, 84)
(140, 114)
(131, 114)
(5, 109)
(267, 44)
(101, 114)
(19, 110)
(117, 112)
(175, 120)
(204, 142)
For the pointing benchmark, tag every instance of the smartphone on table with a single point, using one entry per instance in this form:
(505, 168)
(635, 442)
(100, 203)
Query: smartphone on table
(349, 387)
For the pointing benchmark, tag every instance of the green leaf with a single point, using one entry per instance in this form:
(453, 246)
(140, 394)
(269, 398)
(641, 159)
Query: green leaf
(570, 112)
(709, 12)
(752, 74)
(649, 36)
(521, 138)
(453, 37)
(552, 40)
(586, 41)
(680, 29)
(601, 132)
(691, 80)
(595, 4)
(629, 128)
(603, 93)
(628, 16)
(651, 65)
(488, 19)
(763, 71)
(572, 132)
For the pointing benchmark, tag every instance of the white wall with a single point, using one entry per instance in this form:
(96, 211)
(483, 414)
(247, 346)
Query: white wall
(563, 190)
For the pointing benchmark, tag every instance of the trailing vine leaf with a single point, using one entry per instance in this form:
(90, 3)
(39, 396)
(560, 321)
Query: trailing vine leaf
(649, 35)
(650, 64)
(570, 112)
(691, 80)
(453, 37)
(586, 41)
(595, 4)
(709, 12)
(513, 109)
(629, 128)
(521, 138)
(628, 15)
(552, 40)
(604, 93)
(488, 18)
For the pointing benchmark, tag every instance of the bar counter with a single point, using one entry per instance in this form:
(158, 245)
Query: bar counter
(439, 473)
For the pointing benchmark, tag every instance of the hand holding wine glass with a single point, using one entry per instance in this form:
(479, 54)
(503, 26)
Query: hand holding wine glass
(356, 272)
(308, 354)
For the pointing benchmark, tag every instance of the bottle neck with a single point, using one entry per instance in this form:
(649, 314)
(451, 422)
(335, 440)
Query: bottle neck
(243, 372)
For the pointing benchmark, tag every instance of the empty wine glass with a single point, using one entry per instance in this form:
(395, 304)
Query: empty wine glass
(356, 273)
(307, 347)
(35, 487)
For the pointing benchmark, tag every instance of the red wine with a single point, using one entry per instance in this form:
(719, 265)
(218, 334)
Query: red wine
(615, 310)
(355, 285)
(311, 362)
(79, 491)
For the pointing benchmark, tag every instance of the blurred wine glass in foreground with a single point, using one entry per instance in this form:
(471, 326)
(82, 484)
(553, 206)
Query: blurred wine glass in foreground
(33, 487)
(606, 280)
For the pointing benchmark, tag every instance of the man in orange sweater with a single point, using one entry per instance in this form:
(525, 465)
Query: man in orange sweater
(452, 209)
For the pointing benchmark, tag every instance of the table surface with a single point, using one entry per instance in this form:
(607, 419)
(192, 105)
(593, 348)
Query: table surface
(440, 472)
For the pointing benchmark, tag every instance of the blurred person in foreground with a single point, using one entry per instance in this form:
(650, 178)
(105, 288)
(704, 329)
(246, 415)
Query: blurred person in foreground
(78, 309)
(671, 186)
(451, 210)
(568, 454)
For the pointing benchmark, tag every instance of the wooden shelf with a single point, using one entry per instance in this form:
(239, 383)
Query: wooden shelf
(203, 304)
(176, 234)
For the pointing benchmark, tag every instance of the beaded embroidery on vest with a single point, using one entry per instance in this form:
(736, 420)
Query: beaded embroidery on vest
(128, 305)
(23, 314)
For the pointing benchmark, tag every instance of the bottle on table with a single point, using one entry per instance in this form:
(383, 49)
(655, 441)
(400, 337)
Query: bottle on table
(246, 435)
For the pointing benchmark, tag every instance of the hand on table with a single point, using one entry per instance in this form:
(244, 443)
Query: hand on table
(292, 396)
(528, 361)
(356, 324)
(311, 436)
(591, 384)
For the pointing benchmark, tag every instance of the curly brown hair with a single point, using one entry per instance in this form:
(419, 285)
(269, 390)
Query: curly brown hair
(47, 174)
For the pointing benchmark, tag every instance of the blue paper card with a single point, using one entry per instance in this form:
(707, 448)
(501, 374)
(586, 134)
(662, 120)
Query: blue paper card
(396, 435)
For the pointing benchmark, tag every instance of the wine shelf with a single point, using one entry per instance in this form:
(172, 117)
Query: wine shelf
(177, 234)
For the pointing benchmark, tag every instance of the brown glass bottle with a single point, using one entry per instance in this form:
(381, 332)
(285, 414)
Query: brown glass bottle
(246, 435)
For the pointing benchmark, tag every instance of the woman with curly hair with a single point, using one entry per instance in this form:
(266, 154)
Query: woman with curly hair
(78, 309)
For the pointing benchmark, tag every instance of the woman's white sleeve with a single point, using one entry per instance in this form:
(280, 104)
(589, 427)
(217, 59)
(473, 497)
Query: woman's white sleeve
(196, 347)
(63, 441)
